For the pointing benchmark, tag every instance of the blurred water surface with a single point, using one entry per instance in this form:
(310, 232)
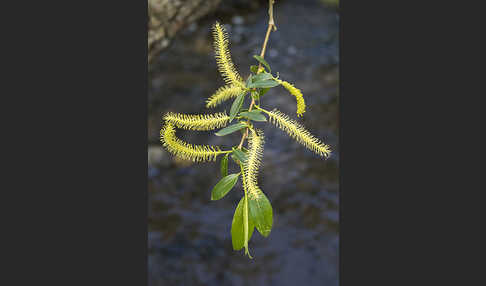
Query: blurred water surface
(189, 235)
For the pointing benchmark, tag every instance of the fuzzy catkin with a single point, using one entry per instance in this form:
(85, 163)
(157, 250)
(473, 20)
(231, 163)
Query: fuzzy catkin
(184, 150)
(298, 133)
(223, 56)
(200, 122)
(299, 97)
(255, 152)
(222, 94)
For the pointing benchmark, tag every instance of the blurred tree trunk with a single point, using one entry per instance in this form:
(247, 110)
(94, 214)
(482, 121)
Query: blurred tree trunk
(166, 17)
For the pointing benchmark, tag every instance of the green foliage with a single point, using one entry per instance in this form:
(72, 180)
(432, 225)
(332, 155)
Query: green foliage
(230, 129)
(239, 155)
(254, 115)
(263, 62)
(224, 186)
(238, 237)
(261, 213)
(261, 77)
(236, 106)
(254, 209)
(224, 166)
(266, 83)
(262, 91)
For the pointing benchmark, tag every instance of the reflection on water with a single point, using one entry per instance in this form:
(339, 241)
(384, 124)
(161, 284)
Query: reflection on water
(189, 235)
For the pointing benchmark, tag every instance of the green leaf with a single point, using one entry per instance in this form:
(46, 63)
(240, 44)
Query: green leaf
(263, 62)
(224, 165)
(262, 91)
(249, 79)
(224, 186)
(235, 108)
(261, 213)
(254, 115)
(237, 227)
(261, 76)
(263, 83)
(253, 111)
(240, 155)
(254, 69)
(255, 95)
(230, 129)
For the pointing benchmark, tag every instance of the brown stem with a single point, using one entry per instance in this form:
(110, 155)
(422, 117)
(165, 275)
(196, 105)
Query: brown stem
(271, 25)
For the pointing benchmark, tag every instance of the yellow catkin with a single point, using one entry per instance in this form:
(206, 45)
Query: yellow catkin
(298, 132)
(255, 152)
(184, 150)
(298, 96)
(222, 94)
(223, 56)
(201, 122)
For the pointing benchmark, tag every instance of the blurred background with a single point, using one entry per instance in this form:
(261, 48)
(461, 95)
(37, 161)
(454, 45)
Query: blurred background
(189, 236)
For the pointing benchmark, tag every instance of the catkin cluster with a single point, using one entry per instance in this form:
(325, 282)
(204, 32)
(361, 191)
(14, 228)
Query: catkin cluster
(223, 56)
(298, 132)
(255, 153)
(222, 94)
(184, 150)
(299, 97)
(200, 122)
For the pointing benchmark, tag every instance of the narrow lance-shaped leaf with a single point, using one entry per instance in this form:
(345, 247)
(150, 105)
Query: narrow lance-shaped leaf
(224, 166)
(230, 129)
(246, 225)
(236, 106)
(246, 216)
(263, 84)
(254, 110)
(255, 95)
(263, 62)
(254, 115)
(224, 186)
(249, 79)
(261, 77)
(261, 213)
(237, 227)
(240, 155)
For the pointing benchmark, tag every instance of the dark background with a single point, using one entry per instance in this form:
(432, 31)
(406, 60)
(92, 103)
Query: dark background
(189, 235)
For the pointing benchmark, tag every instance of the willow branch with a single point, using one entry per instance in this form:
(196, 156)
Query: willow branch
(271, 25)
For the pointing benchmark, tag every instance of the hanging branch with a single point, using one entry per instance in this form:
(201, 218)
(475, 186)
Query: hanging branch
(254, 209)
